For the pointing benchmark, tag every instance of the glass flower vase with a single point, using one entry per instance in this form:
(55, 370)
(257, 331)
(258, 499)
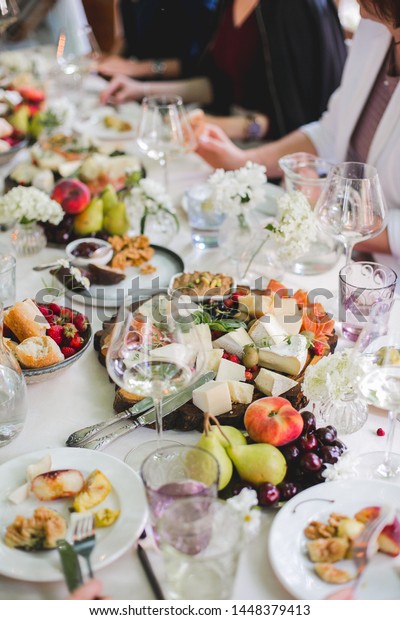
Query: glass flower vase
(347, 414)
(28, 238)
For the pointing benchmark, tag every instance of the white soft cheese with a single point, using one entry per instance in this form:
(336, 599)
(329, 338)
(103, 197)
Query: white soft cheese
(212, 360)
(213, 398)
(267, 330)
(241, 392)
(233, 342)
(230, 371)
(287, 357)
(288, 314)
(272, 383)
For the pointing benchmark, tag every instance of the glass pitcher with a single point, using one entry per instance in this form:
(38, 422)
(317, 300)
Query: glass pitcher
(307, 173)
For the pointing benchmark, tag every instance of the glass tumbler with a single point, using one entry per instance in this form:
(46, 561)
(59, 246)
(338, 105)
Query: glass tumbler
(205, 221)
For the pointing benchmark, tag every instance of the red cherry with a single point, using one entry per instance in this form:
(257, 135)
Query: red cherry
(380, 432)
(234, 358)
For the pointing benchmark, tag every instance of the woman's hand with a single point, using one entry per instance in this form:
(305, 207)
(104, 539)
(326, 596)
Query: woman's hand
(218, 150)
(122, 89)
(90, 591)
(115, 65)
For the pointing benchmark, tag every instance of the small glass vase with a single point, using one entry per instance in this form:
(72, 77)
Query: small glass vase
(28, 238)
(347, 414)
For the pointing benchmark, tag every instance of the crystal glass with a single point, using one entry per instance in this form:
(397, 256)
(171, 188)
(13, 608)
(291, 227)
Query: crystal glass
(351, 207)
(9, 12)
(200, 539)
(164, 130)
(153, 352)
(28, 238)
(377, 352)
(77, 54)
(347, 414)
(205, 221)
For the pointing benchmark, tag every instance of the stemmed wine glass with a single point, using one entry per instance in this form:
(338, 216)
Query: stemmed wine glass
(377, 355)
(9, 12)
(164, 130)
(77, 52)
(351, 207)
(154, 352)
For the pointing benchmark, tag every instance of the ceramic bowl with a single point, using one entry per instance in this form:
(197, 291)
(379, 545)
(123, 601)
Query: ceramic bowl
(82, 261)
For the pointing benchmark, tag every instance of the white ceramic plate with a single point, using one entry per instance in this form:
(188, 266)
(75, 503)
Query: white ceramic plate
(94, 125)
(167, 263)
(127, 495)
(287, 543)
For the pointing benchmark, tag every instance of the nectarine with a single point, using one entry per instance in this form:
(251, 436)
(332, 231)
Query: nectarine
(72, 195)
(273, 420)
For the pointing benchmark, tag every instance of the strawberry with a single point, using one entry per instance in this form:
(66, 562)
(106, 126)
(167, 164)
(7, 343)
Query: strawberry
(67, 351)
(76, 342)
(55, 308)
(52, 319)
(66, 315)
(234, 358)
(81, 323)
(69, 331)
(44, 310)
(56, 332)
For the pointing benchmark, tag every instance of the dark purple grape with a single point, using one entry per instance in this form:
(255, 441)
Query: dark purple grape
(310, 462)
(268, 494)
(317, 477)
(332, 429)
(298, 475)
(288, 490)
(339, 444)
(330, 454)
(308, 443)
(310, 423)
(239, 486)
(291, 452)
(325, 435)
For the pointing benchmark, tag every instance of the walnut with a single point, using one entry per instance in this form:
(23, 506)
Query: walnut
(316, 529)
(147, 269)
(335, 518)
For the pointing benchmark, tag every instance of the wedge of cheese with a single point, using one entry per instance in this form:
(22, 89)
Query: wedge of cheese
(230, 371)
(287, 357)
(212, 360)
(267, 331)
(272, 383)
(213, 398)
(175, 353)
(202, 333)
(233, 342)
(240, 392)
(254, 305)
(288, 314)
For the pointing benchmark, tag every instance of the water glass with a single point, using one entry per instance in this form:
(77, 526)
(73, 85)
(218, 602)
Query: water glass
(361, 286)
(7, 279)
(200, 540)
(204, 220)
(178, 471)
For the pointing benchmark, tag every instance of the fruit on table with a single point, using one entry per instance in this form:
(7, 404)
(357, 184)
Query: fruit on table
(258, 463)
(72, 195)
(273, 420)
(95, 489)
(211, 444)
(109, 197)
(91, 219)
(57, 484)
(268, 494)
(116, 220)
(105, 517)
(20, 119)
(228, 436)
(389, 538)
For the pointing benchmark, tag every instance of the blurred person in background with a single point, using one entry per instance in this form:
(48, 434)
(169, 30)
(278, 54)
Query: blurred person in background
(362, 121)
(276, 62)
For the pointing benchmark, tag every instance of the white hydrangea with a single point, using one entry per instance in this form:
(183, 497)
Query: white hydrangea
(234, 190)
(246, 504)
(296, 227)
(150, 195)
(333, 376)
(29, 204)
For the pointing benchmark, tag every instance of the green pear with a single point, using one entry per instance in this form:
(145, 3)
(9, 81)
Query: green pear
(259, 462)
(20, 119)
(36, 125)
(116, 220)
(109, 197)
(211, 444)
(228, 436)
(91, 219)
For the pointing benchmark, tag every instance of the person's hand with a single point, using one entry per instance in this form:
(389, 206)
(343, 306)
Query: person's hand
(218, 150)
(115, 65)
(90, 591)
(122, 89)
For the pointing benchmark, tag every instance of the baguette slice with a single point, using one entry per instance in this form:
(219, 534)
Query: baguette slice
(25, 320)
(38, 352)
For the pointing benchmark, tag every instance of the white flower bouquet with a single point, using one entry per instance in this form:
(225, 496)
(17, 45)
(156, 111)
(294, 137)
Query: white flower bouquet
(149, 197)
(29, 204)
(334, 376)
(235, 190)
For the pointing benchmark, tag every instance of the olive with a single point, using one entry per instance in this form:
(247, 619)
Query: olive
(250, 355)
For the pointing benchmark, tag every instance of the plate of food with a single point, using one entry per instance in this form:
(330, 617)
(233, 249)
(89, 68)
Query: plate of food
(311, 537)
(202, 285)
(29, 497)
(108, 124)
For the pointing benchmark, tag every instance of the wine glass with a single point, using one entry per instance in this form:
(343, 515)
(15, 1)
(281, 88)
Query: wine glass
(377, 355)
(77, 53)
(164, 130)
(9, 12)
(154, 351)
(351, 207)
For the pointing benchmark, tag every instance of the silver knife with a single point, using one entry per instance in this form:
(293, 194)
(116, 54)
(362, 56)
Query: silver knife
(170, 404)
(84, 434)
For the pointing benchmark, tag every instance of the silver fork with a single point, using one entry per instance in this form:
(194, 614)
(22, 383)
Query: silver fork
(84, 537)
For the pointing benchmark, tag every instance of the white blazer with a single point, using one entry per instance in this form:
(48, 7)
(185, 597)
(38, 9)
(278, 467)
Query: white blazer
(332, 133)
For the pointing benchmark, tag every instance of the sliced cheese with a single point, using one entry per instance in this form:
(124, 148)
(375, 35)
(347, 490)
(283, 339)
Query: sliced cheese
(273, 384)
(254, 305)
(212, 360)
(267, 331)
(203, 333)
(287, 357)
(213, 398)
(230, 371)
(241, 392)
(233, 342)
(288, 314)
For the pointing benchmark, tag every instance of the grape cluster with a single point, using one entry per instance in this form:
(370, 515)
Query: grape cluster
(306, 458)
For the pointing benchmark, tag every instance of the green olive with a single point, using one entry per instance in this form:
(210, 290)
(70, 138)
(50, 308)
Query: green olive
(250, 355)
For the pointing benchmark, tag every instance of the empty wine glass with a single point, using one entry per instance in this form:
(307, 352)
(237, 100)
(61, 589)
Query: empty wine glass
(351, 207)
(77, 53)
(377, 354)
(9, 12)
(164, 130)
(154, 352)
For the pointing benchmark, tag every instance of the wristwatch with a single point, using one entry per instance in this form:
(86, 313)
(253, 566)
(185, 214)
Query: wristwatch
(159, 67)
(253, 128)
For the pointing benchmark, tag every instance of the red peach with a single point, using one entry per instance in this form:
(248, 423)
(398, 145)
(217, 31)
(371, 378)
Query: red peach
(273, 420)
(72, 195)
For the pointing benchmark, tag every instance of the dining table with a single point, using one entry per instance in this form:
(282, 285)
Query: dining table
(82, 395)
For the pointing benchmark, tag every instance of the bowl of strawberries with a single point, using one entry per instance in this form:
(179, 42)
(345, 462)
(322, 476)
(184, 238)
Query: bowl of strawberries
(45, 338)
